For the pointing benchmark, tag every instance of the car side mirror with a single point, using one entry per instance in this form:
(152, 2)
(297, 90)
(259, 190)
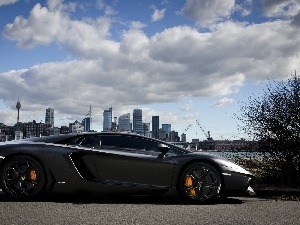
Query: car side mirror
(163, 148)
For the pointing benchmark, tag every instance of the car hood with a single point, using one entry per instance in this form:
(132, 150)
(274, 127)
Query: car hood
(225, 164)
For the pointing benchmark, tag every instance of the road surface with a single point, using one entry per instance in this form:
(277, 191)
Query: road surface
(146, 210)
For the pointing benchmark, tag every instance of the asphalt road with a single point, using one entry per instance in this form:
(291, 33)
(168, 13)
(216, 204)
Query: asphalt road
(146, 210)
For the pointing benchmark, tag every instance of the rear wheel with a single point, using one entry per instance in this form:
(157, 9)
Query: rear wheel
(199, 182)
(22, 177)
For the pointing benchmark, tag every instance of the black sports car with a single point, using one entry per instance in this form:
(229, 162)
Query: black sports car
(102, 163)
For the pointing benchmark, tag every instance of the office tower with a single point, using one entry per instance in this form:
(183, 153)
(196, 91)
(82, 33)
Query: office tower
(86, 123)
(137, 121)
(49, 118)
(174, 136)
(107, 119)
(155, 127)
(167, 129)
(124, 122)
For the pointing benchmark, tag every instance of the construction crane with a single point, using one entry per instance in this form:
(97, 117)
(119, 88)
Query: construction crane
(206, 134)
(186, 129)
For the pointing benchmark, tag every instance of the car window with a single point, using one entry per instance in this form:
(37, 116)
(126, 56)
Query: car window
(137, 144)
(120, 143)
(91, 142)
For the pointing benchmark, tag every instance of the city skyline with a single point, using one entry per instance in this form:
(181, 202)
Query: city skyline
(143, 128)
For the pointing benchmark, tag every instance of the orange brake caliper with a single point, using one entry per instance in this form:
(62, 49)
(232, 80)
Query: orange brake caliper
(189, 185)
(33, 175)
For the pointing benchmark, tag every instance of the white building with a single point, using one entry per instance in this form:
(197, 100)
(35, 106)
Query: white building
(77, 127)
(18, 135)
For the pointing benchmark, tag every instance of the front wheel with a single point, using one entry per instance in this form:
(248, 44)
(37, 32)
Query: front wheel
(22, 177)
(200, 183)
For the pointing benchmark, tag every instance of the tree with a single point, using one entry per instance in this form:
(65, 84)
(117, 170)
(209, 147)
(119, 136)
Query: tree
(272, 121)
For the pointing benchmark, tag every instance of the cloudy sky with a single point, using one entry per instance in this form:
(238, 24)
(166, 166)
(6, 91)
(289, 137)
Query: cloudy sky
(182, 60)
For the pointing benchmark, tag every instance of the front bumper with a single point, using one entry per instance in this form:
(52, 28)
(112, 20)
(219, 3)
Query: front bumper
(236, 184)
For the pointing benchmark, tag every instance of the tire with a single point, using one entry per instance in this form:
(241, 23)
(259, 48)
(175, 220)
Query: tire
(199, 183)
(22, 178)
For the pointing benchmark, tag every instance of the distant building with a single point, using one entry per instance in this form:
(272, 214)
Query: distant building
(64, 130)
(146, 130)
(174, 136)
(52, 131)
(107, 119)
(49, 118)
(124, 122)
(76, 127)
(195, 140)
(167, 129)
(6, 132)
(183, 137)
(86, 123)
(137, 121)
(162, 135)
(155, 127)
(33, 129)
(18, 135)
(114, 124)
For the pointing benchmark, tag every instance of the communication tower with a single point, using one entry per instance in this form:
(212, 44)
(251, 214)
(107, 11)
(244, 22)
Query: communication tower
(18, 106)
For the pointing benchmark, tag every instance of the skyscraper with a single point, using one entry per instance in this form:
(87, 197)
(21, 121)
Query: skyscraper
(107, 119)
(155, 127)
(138, 121)
(124, 122)
(49, 118)
(166, 128)
(86, 122)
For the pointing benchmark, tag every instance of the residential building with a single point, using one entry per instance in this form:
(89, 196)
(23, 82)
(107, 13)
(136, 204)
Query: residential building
(64, 130)
(32, 129)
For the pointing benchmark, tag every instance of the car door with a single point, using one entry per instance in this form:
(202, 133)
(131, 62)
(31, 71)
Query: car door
(130, 160)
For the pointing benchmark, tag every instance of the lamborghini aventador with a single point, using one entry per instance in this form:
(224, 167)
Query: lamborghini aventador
(115, 163)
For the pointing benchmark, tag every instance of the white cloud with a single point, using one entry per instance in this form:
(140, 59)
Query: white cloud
(158, 15)
(207, 12)
(108, 10)
(281, 8)
(244, 7)
(187, 107)
(7, 2)
(81, 36)
(223, 101)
